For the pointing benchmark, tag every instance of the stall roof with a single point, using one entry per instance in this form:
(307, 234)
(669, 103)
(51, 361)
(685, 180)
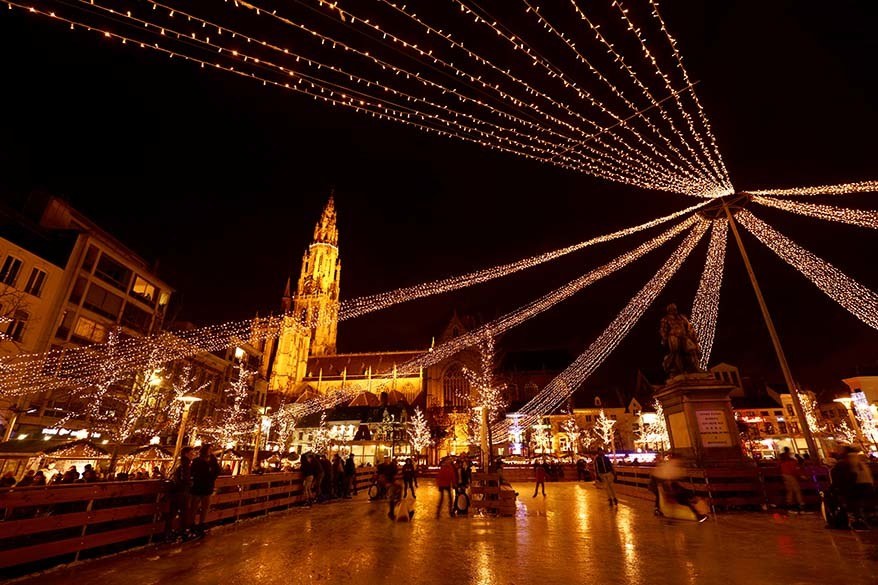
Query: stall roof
(29, 447)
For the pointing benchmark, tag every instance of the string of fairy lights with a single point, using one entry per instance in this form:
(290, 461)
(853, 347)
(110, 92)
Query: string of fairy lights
(315, 64)
(367, 304)
(605, 154)
(847, 292)
(652, 133)
(716, 157)
(619, 59)
(83, 366)
(840, 189)
(867, 218)
(706, 305)
(555, 73)
(564, 384)
(506, 322)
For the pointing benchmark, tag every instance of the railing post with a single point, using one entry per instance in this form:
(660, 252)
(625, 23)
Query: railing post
(157, 513)
(88, 508)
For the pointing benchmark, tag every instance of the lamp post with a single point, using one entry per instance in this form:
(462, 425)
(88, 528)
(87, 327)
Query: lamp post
(264, 420)
(187, 401)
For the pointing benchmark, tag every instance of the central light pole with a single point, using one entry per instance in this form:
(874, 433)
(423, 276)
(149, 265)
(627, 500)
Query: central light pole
(775, 340)
(187, 401)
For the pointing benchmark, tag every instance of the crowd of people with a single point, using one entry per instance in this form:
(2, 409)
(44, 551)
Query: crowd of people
(850, 500)
(46, 477)
(193, 482)
(325, 479)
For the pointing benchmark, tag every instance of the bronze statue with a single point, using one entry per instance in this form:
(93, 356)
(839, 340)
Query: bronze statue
(684, 352)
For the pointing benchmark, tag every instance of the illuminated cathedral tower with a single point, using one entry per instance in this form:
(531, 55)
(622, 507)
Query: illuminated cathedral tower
(316, 300)
(310, 322)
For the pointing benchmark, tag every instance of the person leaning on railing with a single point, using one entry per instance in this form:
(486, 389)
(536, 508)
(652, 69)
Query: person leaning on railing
(179, 493)
(205, 470)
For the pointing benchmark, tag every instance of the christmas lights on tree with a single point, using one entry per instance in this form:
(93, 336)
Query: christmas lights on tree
(605, 431)
(419, 432)
(235, 420)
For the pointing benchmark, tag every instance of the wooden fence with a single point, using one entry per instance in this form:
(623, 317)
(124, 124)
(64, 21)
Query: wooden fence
(44, 526)
(729, 488)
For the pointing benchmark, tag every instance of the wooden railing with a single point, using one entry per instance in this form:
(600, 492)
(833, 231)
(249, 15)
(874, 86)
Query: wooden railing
(729, 488)
(48, 525)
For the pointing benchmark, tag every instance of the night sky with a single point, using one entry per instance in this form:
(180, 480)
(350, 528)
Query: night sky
(222, 180)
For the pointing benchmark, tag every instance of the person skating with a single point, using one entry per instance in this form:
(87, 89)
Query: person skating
(667, 476)
(604, 468)
(790, 472)
(445, 480)
(540, 474)
(408, 478)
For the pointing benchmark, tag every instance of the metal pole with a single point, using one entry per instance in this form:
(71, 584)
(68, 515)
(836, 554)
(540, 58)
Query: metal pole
(484, 438)
(182, 431)
(256, 447)
(12, 422)
(778, 349)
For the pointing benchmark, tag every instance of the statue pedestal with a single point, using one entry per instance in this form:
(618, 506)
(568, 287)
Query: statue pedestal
(700, 421)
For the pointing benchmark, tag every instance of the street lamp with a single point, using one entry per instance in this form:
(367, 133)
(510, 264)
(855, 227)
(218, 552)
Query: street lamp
(264, 421)
(187, 401)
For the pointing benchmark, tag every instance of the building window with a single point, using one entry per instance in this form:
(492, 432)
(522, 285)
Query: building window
(78, 290)
(143, 291)
(88, 330)
(90, 256)
(103, 302)
(113, 272)
(35, 282)
(136, 318)
(15, 328)
(455, 387)
(9, 271)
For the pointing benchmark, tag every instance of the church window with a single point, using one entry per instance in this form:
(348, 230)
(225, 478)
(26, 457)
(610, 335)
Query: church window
(456, 388)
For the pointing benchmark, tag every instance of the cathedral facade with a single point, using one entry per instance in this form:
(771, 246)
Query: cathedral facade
(303, 361)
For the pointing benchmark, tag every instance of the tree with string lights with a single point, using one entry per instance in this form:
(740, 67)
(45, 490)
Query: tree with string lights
(489, 403)
(573, 431)
(236, 418)
(605, 431)
(419, 432)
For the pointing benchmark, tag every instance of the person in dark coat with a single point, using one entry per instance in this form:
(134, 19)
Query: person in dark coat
(350, 471)
(179, 493)
(204, 472)
(604, 468)
(540, 474)
(408, 478)
(307, 469)
(338, 476)
(326, 478)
